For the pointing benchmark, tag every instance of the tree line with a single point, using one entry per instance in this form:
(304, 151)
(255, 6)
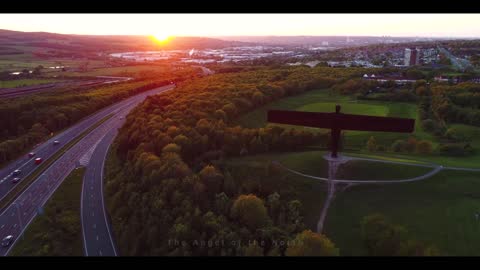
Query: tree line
(441, 105)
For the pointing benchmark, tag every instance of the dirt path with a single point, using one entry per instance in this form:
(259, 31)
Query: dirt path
(333, 167)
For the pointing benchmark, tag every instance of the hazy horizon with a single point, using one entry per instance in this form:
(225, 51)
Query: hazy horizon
(223, 36)
(231, 25)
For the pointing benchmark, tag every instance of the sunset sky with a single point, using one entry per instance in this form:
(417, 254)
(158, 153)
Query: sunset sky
(451, 25)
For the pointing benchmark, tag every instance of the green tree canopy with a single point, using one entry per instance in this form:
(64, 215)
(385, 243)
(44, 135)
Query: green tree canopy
(308, 243)
(250, 211)
(371, 144)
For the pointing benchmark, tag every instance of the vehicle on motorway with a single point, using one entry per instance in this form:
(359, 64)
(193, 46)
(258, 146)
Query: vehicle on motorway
(17, 172)
(38, 160)
(31, 154)
(7, 240)
(56, 142)
(15, 180)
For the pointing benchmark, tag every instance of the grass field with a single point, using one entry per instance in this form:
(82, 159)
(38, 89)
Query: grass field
(58, 231)
(324, 100)
(439, 210)
(470, 132)
(19, 62)
(355, 170)
(472, 161)
(129, 71)
(347, 107)
(24, 82)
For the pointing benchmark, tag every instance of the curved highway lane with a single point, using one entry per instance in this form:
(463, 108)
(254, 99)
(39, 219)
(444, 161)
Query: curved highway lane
(18, 215)
(97, 236)
(47, 149)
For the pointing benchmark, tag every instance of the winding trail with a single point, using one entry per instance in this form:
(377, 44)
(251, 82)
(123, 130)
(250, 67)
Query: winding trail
(333, 167)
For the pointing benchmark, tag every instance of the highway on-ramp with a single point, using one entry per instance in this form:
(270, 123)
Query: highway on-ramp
(16, 217)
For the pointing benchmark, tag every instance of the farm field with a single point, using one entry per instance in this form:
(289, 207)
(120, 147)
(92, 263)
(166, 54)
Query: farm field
(25, 82)
(128, 71)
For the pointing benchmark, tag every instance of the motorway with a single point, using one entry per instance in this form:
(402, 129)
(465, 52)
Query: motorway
(48, 149)
(18, 215)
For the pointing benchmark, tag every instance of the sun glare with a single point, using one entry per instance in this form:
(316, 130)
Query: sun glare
(161, 37)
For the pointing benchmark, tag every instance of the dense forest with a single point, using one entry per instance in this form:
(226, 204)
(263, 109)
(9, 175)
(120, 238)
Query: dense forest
(167, 154)
(443, 104)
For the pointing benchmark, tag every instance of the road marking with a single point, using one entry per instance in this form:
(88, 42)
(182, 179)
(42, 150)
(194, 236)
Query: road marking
(15, 225)
(94, 226)
(97, 237)
(2, 226)
(100, 252)
(93, 214)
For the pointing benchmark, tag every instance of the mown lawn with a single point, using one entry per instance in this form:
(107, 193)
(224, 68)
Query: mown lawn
(355, 170)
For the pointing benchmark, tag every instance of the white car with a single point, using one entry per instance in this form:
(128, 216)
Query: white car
(16, 172)
(56, 142)
(7, 240)
(15, 180)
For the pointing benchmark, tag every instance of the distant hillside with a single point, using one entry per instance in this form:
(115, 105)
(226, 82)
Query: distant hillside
(15, 41)
(202, 43)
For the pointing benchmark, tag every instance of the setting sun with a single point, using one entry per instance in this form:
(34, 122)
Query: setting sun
(161, 37)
